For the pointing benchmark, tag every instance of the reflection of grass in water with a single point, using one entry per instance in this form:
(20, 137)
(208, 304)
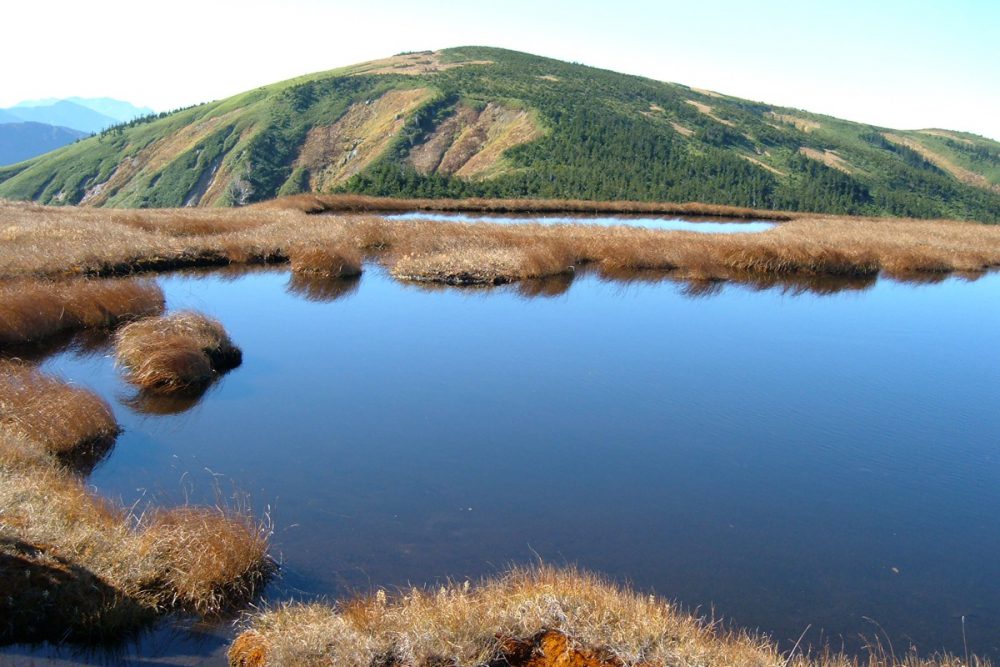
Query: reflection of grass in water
(321, 288)
(175, 403)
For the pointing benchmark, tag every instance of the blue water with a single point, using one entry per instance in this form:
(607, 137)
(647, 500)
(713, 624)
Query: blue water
(649, 222)
(788, 458)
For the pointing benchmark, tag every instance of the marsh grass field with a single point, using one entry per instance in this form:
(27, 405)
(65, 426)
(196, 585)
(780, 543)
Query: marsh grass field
(77, 567)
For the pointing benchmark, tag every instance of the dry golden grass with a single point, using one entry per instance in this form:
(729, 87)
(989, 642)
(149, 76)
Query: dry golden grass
(31, 310)
(71, 423)
(121, 570)
(329, 260)
(581, 620)
(214, 559)
(75, 567)
(47, 240)
(175, 352)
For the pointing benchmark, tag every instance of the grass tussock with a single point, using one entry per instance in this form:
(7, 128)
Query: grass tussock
(72, 423)
(118, 571)
(42, 240)
(215, 559)
(32, 310)
(76, 567)
(176, 352)
(538, 617)
(327, 260)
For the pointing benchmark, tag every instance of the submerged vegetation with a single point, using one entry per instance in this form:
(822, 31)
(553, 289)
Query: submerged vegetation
(538, 617)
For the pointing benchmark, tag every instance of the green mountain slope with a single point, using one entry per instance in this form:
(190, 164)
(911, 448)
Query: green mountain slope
(477, 121)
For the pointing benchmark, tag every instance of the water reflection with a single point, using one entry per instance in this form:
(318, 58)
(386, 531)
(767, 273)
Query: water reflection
(85, 343)
(322, 289)
(700, 224)
(786, 460)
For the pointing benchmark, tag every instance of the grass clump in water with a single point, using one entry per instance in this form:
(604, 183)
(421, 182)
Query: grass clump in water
(177, 352)
(329, 260)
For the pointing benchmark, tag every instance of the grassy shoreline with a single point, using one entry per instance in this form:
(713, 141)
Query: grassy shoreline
(53, 242)
(534, 617)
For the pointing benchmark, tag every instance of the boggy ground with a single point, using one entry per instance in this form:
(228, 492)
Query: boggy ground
(75, 567)
(52, 242)
(538, 617)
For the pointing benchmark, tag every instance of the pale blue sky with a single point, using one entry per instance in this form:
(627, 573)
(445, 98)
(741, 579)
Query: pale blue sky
(899, 64)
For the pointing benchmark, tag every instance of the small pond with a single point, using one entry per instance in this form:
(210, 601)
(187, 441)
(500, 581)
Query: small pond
(787, 457)
(703, 225)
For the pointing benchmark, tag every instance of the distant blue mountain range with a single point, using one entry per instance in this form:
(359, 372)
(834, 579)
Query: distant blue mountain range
(21, 141)
(34, 127)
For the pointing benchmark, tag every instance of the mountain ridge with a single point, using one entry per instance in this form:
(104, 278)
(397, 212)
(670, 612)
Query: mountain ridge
(485, 122)
(21, 141)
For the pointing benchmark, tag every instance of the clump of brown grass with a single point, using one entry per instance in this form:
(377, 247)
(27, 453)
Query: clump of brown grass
(214, 559)
(33, 310)
(54, 241)
(329, 260)
(76, 567)
(175, 352)
(73, 424)
(538, 617)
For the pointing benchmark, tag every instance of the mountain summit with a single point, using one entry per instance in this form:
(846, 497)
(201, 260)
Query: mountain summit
(486, 122)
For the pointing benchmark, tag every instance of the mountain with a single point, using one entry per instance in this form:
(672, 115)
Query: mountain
(20, 141)
(120, 110)
(476, 121)
(63, 113)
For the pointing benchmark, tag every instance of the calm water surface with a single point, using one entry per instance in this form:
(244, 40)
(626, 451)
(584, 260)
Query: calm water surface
(786, 459)
(709, 226)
